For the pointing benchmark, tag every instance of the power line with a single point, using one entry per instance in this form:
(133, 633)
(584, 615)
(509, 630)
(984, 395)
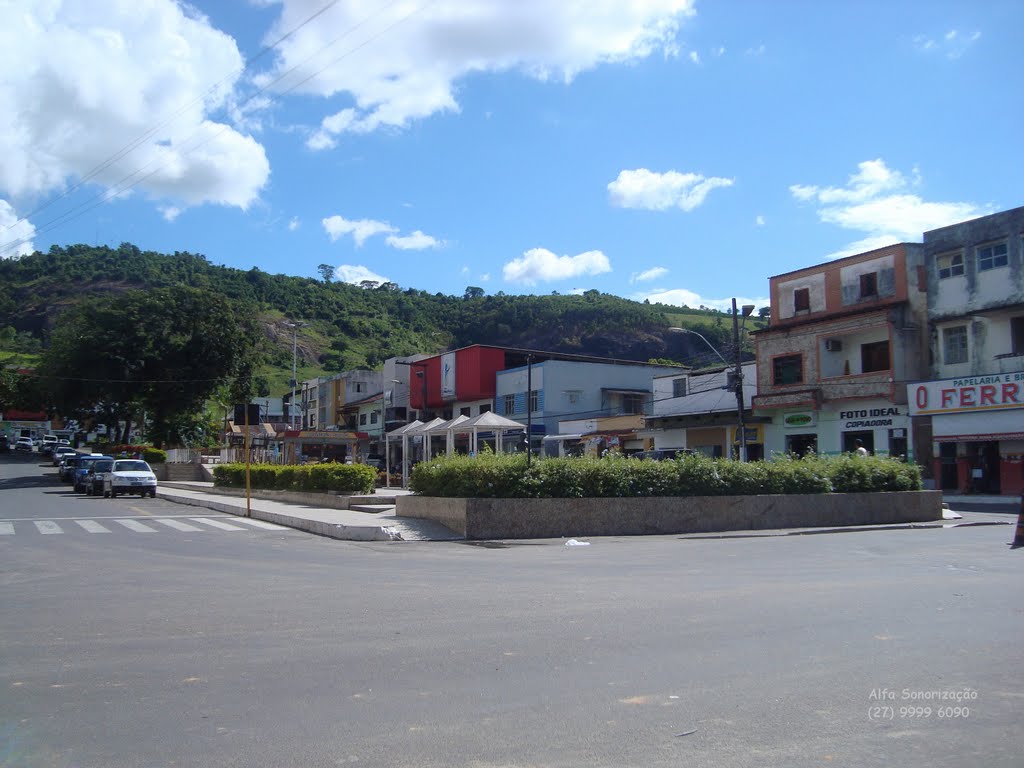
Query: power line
(113, 191)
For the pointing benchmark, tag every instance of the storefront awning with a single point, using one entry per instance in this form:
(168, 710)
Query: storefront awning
(562, 437)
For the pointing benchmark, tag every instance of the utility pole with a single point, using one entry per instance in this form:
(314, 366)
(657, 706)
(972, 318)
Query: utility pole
(738, 373)
(529, 410)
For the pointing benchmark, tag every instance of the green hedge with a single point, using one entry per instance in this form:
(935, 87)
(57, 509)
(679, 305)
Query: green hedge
(344, 478)
(150, 454)
(507, 475)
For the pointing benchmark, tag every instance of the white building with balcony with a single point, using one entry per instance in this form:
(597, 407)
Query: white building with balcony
(973, 401)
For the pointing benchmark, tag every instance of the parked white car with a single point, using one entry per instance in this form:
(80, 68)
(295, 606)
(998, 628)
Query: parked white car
(24, 444)
(130, 476)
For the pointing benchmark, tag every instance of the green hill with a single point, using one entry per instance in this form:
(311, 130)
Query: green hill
(349, 326)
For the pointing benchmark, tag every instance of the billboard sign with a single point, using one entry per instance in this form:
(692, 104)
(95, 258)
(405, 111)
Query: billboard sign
(991, 392)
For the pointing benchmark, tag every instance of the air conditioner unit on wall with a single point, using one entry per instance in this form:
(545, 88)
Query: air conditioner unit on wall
(833, 345)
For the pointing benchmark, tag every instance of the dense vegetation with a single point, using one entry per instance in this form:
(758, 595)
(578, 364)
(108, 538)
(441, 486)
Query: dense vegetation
(508, 476)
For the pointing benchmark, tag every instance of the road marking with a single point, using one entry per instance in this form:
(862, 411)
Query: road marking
(134, 525)
(48, 526)
(6, 529)
(176, 525)
(216, 524)
(261, 524)
(92, 526)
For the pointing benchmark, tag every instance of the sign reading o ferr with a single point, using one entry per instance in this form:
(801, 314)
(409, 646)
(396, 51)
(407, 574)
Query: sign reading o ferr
(993, 392)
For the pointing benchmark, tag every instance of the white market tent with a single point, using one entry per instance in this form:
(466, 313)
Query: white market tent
(400, 432)
(488, 422)
(424, 431)
(449, 428)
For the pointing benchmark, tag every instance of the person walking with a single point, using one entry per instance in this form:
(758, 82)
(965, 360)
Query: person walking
(859, 449)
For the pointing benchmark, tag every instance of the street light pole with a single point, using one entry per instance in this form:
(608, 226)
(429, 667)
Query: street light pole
(699, 336)
(295, 325)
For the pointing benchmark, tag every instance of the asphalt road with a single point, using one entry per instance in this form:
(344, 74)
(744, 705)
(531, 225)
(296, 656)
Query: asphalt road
(276, 648)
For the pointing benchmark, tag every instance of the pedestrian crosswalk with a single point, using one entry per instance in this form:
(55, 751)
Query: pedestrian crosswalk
(135, 525)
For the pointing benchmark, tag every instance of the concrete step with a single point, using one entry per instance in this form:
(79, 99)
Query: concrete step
(377, 498)
(374, 508)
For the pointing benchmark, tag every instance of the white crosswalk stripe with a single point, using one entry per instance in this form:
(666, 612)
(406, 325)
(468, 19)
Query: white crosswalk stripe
(177, 525)
(135, 525)
(218, 524)
(261, 524)
(147, 524)
(92, 526)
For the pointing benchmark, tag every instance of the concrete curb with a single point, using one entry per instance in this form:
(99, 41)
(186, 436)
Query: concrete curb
(318, 527)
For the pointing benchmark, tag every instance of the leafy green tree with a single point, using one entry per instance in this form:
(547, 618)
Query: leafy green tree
(163, 351)
(326, 272)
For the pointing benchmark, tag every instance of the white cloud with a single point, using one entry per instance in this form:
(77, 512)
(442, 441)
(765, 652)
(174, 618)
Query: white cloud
(683, 297)
(363, 229)
(360, 229)
(877, 201)
(541, 265)
(694, 57)
(648, 274)
(398, 62)
(294, 224)
(757, 50)
(953, 44)
(417, 241)
(759, 221)
(169, 212)
(646, 189)
(355, 274)
(485, 277)
(102, 90)
(15, 236)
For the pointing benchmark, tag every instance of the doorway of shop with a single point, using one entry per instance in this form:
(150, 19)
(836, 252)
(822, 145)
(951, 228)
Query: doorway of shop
(984, 466)
(867, 439)
(801, 445)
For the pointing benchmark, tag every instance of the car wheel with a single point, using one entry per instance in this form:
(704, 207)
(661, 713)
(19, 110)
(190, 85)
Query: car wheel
(152, 494)
(113, 493)
(106, 494)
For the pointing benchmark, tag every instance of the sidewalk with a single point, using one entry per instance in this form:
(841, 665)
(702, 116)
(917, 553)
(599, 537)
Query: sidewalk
(372, 518)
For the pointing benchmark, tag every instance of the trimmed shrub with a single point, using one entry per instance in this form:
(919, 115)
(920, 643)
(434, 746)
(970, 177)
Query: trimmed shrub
(154, 455)
(343, 478)
(507, 475)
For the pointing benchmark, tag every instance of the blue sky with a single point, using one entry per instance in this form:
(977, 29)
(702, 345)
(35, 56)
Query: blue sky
(677, 150)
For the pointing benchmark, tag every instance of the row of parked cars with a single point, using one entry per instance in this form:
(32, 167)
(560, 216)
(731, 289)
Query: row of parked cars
(97, 474)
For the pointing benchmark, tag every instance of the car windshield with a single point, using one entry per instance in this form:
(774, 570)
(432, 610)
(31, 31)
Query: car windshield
(102, 465)
(131, 466)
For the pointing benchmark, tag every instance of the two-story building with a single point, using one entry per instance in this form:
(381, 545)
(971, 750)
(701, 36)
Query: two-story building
(973, 402)
(699, 412)
(845, 338)
(556, 389)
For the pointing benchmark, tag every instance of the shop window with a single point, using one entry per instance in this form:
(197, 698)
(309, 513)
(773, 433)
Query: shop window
(802, 300)
(509, 404)
(992, 256)
(950, 265)
(954, 345)
(678, 387)
(869, 285)
(788, 369)
(874, 356)
(534, 400)
(1017, 335)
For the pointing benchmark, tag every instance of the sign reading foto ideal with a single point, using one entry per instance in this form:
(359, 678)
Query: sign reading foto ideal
(993, 392)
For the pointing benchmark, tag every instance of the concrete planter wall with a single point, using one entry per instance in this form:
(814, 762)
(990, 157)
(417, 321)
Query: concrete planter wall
(553, 518)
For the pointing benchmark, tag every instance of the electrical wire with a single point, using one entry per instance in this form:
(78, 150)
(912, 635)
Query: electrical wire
(123, 185)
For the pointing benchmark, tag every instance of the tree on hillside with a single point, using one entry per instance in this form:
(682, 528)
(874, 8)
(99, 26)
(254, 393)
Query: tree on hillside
(326, 272)
(162, 352)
